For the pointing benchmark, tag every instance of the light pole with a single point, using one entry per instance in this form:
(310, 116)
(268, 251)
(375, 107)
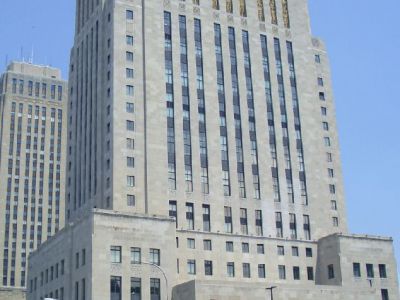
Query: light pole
(271, 290)
(162, 271)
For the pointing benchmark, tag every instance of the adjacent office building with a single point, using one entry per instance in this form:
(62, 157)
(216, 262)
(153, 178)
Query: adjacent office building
(203, 161)
(32, 158)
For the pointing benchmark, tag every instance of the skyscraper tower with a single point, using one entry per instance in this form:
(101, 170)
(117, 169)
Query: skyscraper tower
(203, 160)
(32, 160)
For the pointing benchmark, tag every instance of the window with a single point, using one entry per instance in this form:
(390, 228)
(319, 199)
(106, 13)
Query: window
(76, 262)
(245, 247)
(356, 270)
(130, 143)
(306, 227)
(206, 217)
(259, 221)
(229, 246)
(207, 245)
(191, 244)
(130, 181)
(173, 213)
(228, 219)
(129, 40)
(293, 226)
(129, 15)
(246, 270)
(331, 173)
(136, 255)
(322, 96)
(129, 56)
(261, 271)
(116, 254)
(320, 81)
(129, 90)
(382, 271)
(385, 294)
(155, 256)
(115, 288)
(129, 73)
(155, 291)
(208, 268)
(317, 58)
(191, 267)
(370, 270)
(260, 248)
(295, 251)
(325, 126)
(243, 221)
(130, 107)
(296, 273)
(136, 288)
(190, 216)
(333, 205)
(329, 157)
(309, 252)
(130, 125)
(230, 268)
(83, 257)
(310, 273)
(131, 201)
(335, 221)
(331, 272)
(327, 141)
(130, 162)
(323, 111)
(282, 272)
(281, 250)
(332, 189)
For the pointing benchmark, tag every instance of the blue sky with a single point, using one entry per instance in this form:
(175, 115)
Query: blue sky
(363, 40)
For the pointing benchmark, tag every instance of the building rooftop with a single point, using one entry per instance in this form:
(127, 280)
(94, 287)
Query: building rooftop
(34, 70)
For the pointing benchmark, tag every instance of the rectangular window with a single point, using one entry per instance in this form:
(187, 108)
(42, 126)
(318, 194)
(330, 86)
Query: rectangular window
(230, 268)
(333, 205)
(280, 250)
(136, 288)
(246, 270)
(385, 294)
(190, 216)
(191, 244)
(322, 96)
(228, 219)
(260, 248)
(130, 162)
(310, 273)
(331, 272)
(155, 256)
(173, 211)
(130, 125)
(129, 73)
(130, 143)
(282, 272)
(317, 58)
(130, 107)
(136, 255)
(293, 226)
(382, 271)
(116, 288)
(278, 222)
(245, 248)
(155, 290)
(191, 267)
(116, 254)
(296, 273)
(53, 92)
(130, 181)
(295, 251)
(370, 270)
(129, 90)
(131, 201)
(259, 223)
(208, 268)
(129, 14)
(261, 271)
(207, 245)
(129, 56)
(229, 246)
(243, 221)
(206, 218)
(129, 40)
(306, 227)
(356, 270)
(320, 81)
(309, 252)
(335, 222)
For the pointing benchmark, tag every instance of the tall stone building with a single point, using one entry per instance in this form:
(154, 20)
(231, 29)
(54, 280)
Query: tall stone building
(203, 161)
(32, 159)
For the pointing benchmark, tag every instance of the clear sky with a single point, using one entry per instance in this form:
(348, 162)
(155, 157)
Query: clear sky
(363, 40)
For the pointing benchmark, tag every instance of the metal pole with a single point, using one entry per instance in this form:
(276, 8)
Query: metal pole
(162, 271)
(271, 291)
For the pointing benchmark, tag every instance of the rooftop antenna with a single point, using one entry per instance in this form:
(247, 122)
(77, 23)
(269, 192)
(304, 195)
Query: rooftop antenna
(31, 58)
(22, 54)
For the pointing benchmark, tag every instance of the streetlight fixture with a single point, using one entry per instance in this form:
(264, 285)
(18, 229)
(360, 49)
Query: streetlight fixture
(271, 290)
(162, 271)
